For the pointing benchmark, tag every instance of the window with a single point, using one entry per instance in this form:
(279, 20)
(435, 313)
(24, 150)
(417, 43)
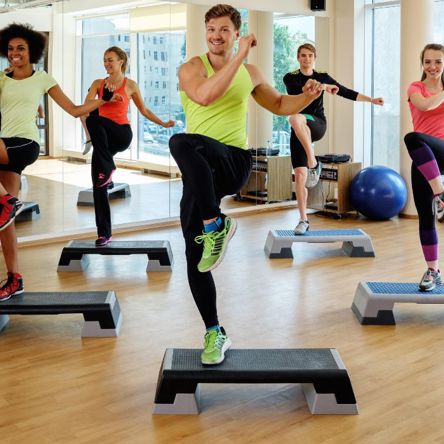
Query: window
(288, 33)
(438, 30)
(385, 119)
(385, 77)
(153, 139)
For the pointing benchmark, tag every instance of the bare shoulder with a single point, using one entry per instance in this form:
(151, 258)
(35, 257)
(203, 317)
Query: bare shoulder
(131, 85)
(95, 85)
(194, 65)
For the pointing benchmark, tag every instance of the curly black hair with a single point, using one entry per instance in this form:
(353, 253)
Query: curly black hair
(36, 40)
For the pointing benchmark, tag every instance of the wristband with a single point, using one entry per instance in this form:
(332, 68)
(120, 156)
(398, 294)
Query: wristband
(107, 94)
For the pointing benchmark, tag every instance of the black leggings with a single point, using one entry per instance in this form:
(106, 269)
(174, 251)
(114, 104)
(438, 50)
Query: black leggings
(210, 170)
(107, 138)
(424, 149)
(298, 154)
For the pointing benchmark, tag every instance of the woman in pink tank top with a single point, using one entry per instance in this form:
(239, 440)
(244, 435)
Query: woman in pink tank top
(426, 148)
(108, 131)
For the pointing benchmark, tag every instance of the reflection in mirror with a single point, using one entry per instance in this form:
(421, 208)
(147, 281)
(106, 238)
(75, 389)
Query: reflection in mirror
(155, 38)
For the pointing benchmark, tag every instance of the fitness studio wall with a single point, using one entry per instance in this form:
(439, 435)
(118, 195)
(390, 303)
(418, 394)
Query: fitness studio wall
(156, 41)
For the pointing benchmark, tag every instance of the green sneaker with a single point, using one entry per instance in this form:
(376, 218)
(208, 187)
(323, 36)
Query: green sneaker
(215, 345)
(215, 245)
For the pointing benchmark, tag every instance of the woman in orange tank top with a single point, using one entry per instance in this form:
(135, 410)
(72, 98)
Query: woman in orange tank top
(109, 132)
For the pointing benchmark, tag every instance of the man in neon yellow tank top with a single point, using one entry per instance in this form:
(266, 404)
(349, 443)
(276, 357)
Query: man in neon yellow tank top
(213, 155)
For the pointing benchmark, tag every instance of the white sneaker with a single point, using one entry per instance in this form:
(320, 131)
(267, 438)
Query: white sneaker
(302, 227)
(87, 147)
(313, 176)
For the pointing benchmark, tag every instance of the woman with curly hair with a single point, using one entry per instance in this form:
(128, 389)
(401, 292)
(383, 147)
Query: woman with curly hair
(20, 93)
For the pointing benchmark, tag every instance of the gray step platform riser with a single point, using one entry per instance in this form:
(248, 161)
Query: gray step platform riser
(377, 308)
(354, 246)
(318, 404)
(104, 320)
(327, 390)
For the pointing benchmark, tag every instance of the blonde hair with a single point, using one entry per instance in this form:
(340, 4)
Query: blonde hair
(121, 54)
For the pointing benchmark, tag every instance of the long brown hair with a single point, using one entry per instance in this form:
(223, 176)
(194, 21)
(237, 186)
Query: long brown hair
(121, 54)
(434, 47)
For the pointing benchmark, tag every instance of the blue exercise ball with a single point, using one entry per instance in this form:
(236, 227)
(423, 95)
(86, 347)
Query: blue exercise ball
(378, 192)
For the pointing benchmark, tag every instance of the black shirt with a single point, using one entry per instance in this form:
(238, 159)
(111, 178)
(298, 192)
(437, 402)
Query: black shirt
(294, 81)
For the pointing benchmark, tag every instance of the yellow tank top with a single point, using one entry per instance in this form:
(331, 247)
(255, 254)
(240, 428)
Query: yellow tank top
(225, 119)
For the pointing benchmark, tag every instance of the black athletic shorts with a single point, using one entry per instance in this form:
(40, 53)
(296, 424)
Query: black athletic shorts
(21, 152)
(317, 129)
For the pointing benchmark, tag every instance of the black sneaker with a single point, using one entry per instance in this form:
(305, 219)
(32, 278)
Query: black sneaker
(101, 241)
(430, 280)
(104, 179)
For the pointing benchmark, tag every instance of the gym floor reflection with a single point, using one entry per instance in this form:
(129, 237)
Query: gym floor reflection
(55, 185)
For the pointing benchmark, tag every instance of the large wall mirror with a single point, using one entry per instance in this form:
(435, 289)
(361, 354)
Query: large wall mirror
(155, 38)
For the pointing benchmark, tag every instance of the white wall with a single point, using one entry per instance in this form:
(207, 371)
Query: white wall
(347, 124)
(290, 6)
(39, 18)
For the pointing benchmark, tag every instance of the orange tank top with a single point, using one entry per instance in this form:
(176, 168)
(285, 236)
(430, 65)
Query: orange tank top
(115, 111)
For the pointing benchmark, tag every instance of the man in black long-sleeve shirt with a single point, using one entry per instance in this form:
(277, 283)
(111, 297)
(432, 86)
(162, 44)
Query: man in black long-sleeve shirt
(310, 125)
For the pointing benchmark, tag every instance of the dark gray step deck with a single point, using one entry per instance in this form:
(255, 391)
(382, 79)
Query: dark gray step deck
(100, 309)
(118, 191)
(325, 380)
(74, 255)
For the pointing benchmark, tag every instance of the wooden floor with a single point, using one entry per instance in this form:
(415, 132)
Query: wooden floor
(58, 388)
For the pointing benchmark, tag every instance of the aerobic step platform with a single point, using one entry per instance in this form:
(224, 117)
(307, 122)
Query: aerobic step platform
(117, 191)
(74, 256)
(355, 242)
(100, 309)
(373, 302)
(321, 372)
(30, 211)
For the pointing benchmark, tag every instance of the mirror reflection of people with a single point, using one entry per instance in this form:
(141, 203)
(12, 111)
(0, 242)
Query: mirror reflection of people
(213, 156)
(110, 132)
(426, 148)
(20, 94)
(310, 125)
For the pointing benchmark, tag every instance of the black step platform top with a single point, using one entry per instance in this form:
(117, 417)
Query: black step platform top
(182, 370)
(258, 360)
(63, 302)
(117, 247)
